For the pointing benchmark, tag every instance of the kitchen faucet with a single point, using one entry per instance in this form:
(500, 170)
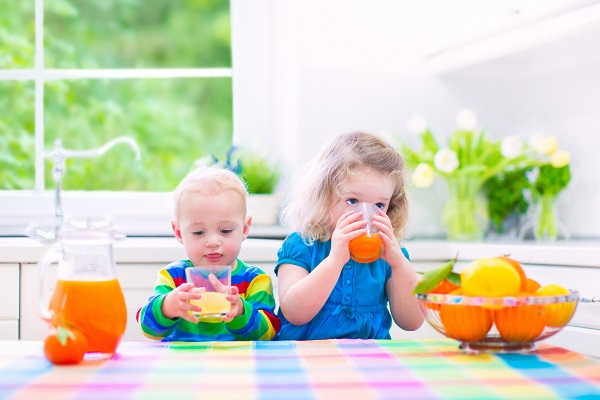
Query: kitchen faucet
(60, 154)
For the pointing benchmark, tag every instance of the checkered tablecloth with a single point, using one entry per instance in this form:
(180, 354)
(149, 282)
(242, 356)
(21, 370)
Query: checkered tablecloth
(329, 369)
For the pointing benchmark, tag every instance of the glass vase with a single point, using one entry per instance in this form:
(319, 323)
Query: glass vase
(465, 214)
(545, 222)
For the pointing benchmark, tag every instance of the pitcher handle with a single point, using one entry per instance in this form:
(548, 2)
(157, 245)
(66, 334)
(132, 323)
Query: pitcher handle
(53, 256)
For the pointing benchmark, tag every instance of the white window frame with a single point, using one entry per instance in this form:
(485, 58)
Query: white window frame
(136, 213)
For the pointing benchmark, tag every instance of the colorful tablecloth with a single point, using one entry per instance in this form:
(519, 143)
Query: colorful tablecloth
(328, 369)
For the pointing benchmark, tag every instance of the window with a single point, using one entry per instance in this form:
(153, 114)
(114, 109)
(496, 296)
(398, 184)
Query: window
(86, 72)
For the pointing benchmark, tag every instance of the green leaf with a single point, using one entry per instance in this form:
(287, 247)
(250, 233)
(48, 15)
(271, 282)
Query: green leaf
(433, 277)
(63, 334)
(454, 278)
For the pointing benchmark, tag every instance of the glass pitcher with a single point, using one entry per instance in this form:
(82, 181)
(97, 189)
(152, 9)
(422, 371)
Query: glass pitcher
(86, 294)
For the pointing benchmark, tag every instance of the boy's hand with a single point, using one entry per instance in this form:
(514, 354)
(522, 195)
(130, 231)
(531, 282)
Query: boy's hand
(233, 296)
(177, 303)
(237, 306)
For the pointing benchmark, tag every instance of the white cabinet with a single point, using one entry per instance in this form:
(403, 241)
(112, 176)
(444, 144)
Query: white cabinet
(583, 332)
(31, 325)
(137, 282)
(9, 306)
(498, 29)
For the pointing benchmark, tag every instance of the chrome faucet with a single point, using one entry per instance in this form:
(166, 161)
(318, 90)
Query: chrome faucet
(59, 154)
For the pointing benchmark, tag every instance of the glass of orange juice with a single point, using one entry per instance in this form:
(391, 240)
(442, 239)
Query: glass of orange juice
(369, 246)
(213, 303)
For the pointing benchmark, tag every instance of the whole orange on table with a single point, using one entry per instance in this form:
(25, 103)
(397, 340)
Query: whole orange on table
(64, 346)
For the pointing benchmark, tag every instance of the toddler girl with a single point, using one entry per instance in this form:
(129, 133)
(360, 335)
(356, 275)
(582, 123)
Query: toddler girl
(323, 293)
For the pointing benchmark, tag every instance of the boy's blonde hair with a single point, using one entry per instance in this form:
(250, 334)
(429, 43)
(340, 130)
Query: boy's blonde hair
(209, 181)
(308, 208)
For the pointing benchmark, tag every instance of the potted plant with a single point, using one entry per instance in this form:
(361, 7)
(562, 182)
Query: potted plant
(466, 162)
(261, 176)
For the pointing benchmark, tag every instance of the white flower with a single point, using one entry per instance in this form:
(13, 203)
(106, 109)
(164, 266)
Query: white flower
(445, 160)
(422, 176)
(546, 145)
(560, 158)
(511, 147)
(416, 124)
(466, 120)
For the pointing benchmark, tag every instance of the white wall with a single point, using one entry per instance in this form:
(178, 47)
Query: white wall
(310, 70)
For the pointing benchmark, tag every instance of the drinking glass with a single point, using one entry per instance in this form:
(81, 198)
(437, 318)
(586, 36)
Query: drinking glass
(213, 302)
(369, 246)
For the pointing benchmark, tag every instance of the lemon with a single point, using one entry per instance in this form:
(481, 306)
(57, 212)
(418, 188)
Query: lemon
(490, 277)
(557, 315)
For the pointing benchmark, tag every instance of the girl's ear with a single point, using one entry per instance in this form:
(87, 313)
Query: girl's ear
(176, 230)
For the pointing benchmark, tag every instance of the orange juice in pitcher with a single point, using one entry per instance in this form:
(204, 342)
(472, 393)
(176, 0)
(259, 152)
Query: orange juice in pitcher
(86, 294)
(93, 307)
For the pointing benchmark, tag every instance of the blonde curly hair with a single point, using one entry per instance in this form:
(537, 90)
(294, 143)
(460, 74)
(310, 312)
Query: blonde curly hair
(308, 208)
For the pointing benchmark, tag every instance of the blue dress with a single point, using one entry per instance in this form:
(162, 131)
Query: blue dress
(357, 307)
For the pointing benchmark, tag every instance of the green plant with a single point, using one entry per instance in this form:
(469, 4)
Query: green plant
(551, 180)
(260, 174)
(544, 178)
(545, 188)
(505, 195)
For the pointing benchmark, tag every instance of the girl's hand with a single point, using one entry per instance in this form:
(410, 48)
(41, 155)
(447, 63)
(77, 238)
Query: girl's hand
(177, 303)
(392, 252)
(348, 227)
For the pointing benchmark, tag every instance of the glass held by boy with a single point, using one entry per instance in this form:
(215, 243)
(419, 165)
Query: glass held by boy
(324, 291)
(211, 223)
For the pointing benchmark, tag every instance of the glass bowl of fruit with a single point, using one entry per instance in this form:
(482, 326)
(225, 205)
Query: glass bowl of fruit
(492, 306)
(508, 324)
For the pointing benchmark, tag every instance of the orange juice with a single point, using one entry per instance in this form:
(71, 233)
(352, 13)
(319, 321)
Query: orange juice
(97, 308)
(212, 304)
(366, 248)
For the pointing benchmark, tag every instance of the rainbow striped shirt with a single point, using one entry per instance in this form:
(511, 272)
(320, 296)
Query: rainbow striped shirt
(258, 322)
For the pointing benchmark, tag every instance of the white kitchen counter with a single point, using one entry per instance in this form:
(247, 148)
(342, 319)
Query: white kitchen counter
(162, 249)
(567, 253)
(133, 250)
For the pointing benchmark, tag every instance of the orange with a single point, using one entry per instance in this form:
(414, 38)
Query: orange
(532, 286)
(465, 323)
(557, 315)
(444, 287)
(490, 277)
(64, 346)
(519, 268)
(521, 323)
